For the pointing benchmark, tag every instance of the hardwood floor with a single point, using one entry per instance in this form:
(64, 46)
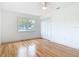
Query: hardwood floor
(37, 48)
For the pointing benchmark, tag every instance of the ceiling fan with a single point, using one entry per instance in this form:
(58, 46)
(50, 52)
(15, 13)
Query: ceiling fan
(44, 5)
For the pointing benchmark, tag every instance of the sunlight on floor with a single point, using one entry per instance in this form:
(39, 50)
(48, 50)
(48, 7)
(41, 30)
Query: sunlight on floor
(27, 51)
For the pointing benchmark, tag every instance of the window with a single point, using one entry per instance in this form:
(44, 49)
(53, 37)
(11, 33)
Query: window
(25, 24)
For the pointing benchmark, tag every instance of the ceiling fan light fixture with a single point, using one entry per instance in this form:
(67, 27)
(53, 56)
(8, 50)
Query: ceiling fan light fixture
(44, 5)
(44, 8)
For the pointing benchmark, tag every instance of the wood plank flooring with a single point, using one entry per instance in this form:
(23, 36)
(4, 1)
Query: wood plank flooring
(37, 48)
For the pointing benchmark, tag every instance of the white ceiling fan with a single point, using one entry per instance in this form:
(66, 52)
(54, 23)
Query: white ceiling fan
(44, 5)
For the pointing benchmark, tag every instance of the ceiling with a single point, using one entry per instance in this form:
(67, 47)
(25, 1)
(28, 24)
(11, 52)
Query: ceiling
(23, 7)
(34, 8)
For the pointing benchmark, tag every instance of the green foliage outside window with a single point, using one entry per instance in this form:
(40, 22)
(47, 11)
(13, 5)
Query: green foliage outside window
(25, 24)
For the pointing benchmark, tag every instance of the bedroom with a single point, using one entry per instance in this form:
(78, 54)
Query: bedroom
(30, 29)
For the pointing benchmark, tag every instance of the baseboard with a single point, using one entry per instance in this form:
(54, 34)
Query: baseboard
(22, 40)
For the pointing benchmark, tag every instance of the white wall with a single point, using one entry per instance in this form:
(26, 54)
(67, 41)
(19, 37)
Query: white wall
(0, 26)
(0, 23)
(62, 25)
(9, 27)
